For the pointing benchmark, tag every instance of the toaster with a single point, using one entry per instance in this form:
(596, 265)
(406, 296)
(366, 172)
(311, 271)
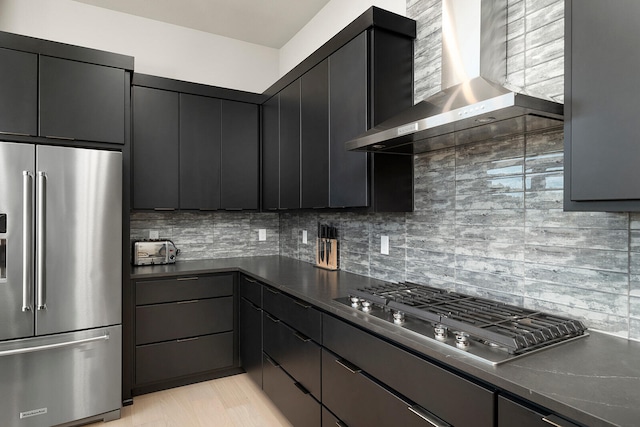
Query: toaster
(149, 252)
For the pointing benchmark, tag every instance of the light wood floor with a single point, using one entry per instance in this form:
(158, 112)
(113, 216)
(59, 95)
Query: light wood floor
(230, 401)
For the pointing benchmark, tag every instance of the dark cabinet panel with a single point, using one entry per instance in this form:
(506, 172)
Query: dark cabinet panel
(18, 92)
(183, 288)
(360, 401)
(314, 124)
(297, 314)
(601, 142)
(173, 359)
(155, 149)
(513, 414)
(290, 146)
(199, 152)
(348, 117)
(82, 101)
(298, 355)
(184, 319)
(239, 170)
(295, 402)
(271, 153)
(409, 373)
(251, 339)
(251, 289)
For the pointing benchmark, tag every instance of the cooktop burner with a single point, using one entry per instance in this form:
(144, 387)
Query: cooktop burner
(491, 331)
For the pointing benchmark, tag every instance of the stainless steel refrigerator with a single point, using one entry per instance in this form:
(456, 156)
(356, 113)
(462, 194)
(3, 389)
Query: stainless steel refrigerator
(60, 284)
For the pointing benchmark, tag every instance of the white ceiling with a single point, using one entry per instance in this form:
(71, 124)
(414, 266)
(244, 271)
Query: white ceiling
(269, 23)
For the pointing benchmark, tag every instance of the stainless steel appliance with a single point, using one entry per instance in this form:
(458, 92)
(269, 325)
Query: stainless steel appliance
(60, 284)
(487, 330)
(149, 252)
(476, 102)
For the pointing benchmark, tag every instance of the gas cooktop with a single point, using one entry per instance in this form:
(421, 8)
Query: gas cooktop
(490, 331)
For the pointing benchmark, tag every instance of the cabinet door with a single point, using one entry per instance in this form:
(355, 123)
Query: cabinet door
(314, 116)
(239, 169)
(82, 101)
(601, 137)
(251, 340)
(199, 152)
(155, 149)
(271, 153)
(290, 146)
(18, 92)
(348, 117)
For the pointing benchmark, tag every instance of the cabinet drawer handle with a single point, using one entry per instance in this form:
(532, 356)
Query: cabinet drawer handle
(164, 209)
(273, 319)
(301, 337)
(255, 307)
(188, 302)
(427, 416)
(188, 339)
(273, 362)
(348, 366)
(232, 209)
(341, 424)
(273, 291)
(301, 388)
(66, 138)
(183, 279)
(302, 304)
(557, 421)
(250, 280)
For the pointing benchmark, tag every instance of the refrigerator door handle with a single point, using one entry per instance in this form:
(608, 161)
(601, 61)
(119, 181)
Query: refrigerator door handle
(41, 299)
(52, 346)
(27, 236)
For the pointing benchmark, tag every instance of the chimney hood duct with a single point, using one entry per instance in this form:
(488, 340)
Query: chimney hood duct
(476, 103)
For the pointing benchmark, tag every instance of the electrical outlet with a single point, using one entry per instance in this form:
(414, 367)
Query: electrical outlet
(262, 234)
(153, 234)
(384, 245)
(304, 237)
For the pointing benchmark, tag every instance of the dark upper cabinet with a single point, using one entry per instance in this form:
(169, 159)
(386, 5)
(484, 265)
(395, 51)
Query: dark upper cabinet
(82, 101)
(18, 92)
(314, 131)
(271, 153)
(290, 146)
(602, 62)
(156, 149)
(239, 187)
(348, 183)
(199, 152)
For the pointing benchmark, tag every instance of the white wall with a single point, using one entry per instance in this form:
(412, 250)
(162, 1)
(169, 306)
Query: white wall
(336, 15)
(159, 49)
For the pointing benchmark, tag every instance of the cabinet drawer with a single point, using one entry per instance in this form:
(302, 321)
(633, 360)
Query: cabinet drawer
(408, 374)
(163, 322)
(513, 414)
(360, 401)
(298, 314)
(296, 403)
(251, 289)
(296, 353)
(157, 362)
(183, 288)
(251, 340)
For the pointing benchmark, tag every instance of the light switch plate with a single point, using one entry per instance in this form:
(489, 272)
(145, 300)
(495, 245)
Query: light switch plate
(304, 236)
(153, 234)
(384, 245)
(262, 234)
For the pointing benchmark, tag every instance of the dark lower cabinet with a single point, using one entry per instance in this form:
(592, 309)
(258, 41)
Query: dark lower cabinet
(514, 414)
(250, 342)
(293, 399)
(82, 101)
(358, 400)
(156, 149)
(18, 92)
(298, 314)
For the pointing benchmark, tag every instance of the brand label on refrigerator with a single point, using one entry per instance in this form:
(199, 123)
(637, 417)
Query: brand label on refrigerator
(33, 413)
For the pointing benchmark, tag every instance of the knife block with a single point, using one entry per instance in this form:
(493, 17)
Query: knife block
(327, 253)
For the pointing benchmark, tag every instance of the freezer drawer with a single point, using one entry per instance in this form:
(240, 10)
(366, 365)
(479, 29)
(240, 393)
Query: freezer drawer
(58, 379)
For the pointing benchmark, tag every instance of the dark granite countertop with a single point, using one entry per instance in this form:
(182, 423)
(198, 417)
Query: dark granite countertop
(594, 381)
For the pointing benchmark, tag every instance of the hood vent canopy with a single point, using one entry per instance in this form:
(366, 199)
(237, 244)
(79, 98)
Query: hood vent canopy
(477, 103)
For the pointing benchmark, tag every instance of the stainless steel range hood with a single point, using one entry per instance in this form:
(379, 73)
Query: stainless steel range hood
(477, 102)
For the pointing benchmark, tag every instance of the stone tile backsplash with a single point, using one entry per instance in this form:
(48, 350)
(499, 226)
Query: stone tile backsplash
(488, 217)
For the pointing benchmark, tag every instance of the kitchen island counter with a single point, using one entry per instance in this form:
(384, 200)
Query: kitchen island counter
(594, 381)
